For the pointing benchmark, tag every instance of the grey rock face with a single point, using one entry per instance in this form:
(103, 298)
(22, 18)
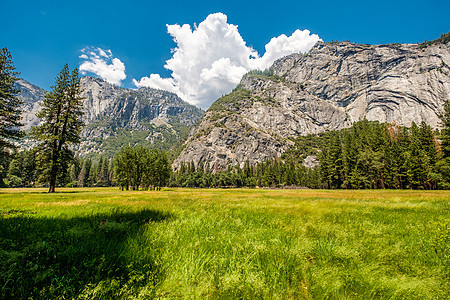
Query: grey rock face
(30, 95)
(98, 96)
(156, 116)
(331, 87)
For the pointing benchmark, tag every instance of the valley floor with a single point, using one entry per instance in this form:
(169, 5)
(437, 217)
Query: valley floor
(102, 243)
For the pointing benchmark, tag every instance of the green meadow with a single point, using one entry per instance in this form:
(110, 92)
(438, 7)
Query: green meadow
(103, 243)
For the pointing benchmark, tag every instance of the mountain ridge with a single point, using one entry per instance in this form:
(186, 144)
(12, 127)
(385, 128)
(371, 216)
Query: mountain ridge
(115, 116)
(329, 88)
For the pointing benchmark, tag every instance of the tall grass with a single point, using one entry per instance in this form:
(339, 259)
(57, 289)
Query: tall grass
(227, 244)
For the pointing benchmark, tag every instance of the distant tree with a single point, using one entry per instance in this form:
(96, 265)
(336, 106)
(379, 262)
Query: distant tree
(83, 176)
(123, 164)
(60, 126)
(92, 175)
(162, 169)
(14, 177)
(10, 106)
(443, 165)
(445, 134)
(140, 167)
(105, 172)
(73, 173)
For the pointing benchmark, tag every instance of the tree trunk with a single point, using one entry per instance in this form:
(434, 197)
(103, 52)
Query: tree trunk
(53, 175)
(54, 168)
(52, 184)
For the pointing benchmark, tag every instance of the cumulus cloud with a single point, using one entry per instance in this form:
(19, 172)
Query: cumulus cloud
(102, 63)
(211, 58)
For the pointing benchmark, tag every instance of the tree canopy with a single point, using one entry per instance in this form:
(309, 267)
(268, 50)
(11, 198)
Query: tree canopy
(10, 109)
(140, 167)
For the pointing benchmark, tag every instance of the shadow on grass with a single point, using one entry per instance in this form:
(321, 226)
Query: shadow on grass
(57, 258)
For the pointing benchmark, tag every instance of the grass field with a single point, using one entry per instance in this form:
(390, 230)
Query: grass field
(229, 244)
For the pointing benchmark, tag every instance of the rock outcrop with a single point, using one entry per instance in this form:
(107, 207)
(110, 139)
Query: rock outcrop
(332, 86)
(30, 94)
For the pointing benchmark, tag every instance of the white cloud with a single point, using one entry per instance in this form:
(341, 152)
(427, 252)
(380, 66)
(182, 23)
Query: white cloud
(211, 58)
(102, 63)
(299, 41)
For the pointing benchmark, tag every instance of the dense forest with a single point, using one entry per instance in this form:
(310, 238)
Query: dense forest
(368, 155)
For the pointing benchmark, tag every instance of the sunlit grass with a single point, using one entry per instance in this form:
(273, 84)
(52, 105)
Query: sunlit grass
(229, 243)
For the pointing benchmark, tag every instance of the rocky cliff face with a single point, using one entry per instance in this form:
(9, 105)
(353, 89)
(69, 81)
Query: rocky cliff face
(30, 95)
(116, 116)
(332, 86)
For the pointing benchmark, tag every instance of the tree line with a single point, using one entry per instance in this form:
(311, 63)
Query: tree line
(23, 171)
(132, 168)
(272, 173)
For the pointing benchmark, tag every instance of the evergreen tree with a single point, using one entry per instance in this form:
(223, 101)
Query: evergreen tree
(445, 133)
(140, 167)
(443, 165)
(100, 176)
(123, 164)
(61, 125)
(82, 176)
(73, 173)
(92, 175)
(105, 172)
(14, 177)
(10, 106)
(162, 169)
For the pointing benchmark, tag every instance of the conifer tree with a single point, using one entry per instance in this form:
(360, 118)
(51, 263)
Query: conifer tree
(105, 172)
(73, 173)
(60, 126)
(10, 104)
(443, 165)
(82, 176)
(445, 134)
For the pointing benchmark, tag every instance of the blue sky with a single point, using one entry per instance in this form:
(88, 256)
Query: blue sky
(44, 35)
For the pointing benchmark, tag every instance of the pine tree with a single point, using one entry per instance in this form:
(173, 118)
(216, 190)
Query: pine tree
(73, 173)
(443, 165)
(10, 104)
(92, 175)
(123, 167)
(82, 175)
(105, 172)
(61, 125)
(445, 134)
(162, 168)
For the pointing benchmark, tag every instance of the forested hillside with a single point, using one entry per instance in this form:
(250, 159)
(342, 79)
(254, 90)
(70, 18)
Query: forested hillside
(368, 155)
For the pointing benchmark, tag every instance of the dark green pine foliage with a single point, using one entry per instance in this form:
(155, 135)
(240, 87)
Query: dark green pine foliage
(83, 175)
(375, 155)
(443, 164)
(445, 134)
(60, 126)
(105, 173)
(10, 108)
(22, 169)
(141, 168)
(272, 173)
